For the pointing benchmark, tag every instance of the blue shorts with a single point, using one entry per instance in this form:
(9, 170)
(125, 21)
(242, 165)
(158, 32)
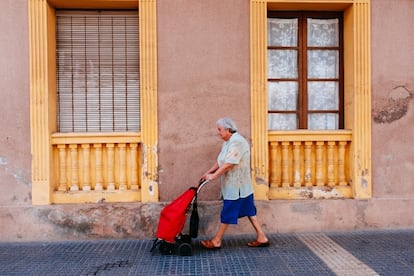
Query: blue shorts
(234, 209)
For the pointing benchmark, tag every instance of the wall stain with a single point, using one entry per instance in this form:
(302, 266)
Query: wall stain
(20, 175)
(309, 208)
(104, 220)
(395, 108)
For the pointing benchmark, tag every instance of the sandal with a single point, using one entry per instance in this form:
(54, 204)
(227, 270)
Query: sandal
(208, 244)
(258, 244)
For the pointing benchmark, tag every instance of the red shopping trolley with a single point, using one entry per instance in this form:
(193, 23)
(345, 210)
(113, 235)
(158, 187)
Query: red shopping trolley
(170, 237)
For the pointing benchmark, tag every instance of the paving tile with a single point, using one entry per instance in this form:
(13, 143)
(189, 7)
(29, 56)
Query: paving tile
(386, 252)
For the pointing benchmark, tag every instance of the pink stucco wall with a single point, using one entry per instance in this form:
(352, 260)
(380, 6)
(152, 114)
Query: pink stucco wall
(15, 158)
(203, 74)
(393, 98)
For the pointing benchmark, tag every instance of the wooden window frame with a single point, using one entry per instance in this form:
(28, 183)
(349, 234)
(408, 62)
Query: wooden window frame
(302, 110)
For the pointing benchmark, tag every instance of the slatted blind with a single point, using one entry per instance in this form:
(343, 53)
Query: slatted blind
(98, 71)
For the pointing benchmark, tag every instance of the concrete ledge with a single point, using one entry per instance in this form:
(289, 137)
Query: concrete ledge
(140, 221)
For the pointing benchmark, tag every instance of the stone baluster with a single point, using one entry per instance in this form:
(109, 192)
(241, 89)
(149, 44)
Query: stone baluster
(110, 166)
(319, 164)
(98, 167)
(297, 179)
(133, 166)
(308, 163)
(341, 163)
(274, 178)
(86, 183)
(285, 164)
(74, 167)
(62, 168)
(122, 166)
(331, 163)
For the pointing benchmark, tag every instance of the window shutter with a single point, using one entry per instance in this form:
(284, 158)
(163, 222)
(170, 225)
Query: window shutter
(98, 71)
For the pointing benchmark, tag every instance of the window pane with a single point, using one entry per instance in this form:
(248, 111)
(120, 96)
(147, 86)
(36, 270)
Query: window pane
(282, 64)
(282, 32)
(323, 32)
(323, 121)
(282, 121)
(323, 95)
(283, 95)
(323, 64)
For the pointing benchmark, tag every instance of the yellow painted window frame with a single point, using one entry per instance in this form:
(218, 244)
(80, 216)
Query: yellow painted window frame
(357, 87)
(43, 90)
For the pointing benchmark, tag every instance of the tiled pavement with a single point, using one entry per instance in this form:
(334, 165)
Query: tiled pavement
(350, 253)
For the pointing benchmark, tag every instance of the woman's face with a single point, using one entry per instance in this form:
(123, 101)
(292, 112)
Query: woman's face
(224, 133)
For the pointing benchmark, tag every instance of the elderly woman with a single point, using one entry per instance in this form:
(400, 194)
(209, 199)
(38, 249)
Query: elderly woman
(233, 166)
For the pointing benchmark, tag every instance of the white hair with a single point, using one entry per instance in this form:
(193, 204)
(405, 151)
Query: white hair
(227, 123)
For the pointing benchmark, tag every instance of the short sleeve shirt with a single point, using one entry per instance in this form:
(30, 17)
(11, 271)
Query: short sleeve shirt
(236, 183)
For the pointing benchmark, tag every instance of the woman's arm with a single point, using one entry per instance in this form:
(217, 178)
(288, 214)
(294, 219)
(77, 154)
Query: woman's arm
(219, 171)
(210, 171)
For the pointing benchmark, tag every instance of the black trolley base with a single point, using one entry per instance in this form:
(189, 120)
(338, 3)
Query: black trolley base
(182, 246)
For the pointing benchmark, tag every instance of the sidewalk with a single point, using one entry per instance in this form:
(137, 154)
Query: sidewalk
(351, 253)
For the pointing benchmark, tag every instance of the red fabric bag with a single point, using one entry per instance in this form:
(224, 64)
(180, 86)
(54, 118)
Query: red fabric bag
(173, 216)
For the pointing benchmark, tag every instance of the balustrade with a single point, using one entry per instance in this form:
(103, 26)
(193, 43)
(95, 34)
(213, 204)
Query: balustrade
(309, 164)
(95, 166)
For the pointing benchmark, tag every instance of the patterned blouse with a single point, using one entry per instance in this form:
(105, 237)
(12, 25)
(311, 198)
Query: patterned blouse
(236, 183)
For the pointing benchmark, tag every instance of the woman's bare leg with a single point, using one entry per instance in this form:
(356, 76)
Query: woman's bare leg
(220, 233)
(261, 236)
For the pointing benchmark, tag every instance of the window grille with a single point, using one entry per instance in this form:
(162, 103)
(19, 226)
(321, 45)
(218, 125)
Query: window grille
(97, 71)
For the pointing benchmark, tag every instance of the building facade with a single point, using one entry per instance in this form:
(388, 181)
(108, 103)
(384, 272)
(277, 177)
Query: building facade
(110, 110)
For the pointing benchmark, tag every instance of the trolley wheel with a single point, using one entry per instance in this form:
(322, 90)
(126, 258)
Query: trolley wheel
(185, 249)
(166, 248)
(185, 239)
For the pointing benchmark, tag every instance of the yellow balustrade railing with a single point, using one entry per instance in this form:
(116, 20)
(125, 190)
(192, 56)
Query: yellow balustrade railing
(96, 167)
(308, 164)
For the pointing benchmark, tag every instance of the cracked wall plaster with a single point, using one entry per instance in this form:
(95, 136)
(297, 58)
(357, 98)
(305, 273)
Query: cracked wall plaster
(395, 107)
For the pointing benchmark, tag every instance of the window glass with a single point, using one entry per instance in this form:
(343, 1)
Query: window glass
(283, 64)
(283, 95)
(323, 32)
(282, 121)
(323, 64)
(282, 32)
(323, 95)
(320, 121)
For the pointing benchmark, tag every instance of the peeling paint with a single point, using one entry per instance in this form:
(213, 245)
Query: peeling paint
(261, 181)
(18, 174)
(308, 176)
(364, 183)
(320, 193)
(360, 214)
(77, 223)
(307, 208)
(396, 107)
(151, 187)
(3, 161)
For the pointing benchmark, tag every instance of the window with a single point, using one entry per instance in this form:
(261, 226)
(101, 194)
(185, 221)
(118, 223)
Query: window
(305, 79)
(97, 71)
(282, 158)
(93, 100)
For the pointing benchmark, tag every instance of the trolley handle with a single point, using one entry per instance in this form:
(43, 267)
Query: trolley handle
(201, 184)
